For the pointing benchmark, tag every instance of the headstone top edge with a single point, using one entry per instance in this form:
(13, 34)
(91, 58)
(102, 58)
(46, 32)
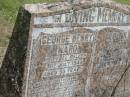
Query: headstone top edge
(59, 6)
(44, 7)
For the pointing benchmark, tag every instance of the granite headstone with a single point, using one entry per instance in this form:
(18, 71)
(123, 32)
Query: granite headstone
(68, 50)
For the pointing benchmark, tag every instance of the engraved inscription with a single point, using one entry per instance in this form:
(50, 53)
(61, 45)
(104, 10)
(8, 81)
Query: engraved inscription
(58, 61)
(111, 61)
(91, 15)
(113, 49)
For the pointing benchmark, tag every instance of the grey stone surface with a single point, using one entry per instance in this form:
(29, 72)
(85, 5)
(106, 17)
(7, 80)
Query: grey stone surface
(69, 50)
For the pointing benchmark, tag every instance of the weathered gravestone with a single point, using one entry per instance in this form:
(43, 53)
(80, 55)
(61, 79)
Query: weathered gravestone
(68, 50)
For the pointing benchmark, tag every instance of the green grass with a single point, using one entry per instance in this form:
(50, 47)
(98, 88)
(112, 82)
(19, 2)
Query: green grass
(123, 1)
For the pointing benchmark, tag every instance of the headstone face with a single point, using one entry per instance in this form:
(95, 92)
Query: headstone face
(64, 50)
(58, 61)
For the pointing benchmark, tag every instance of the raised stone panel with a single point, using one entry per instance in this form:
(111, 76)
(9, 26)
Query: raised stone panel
(62, 58)
(112, 47)
(111, 61)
